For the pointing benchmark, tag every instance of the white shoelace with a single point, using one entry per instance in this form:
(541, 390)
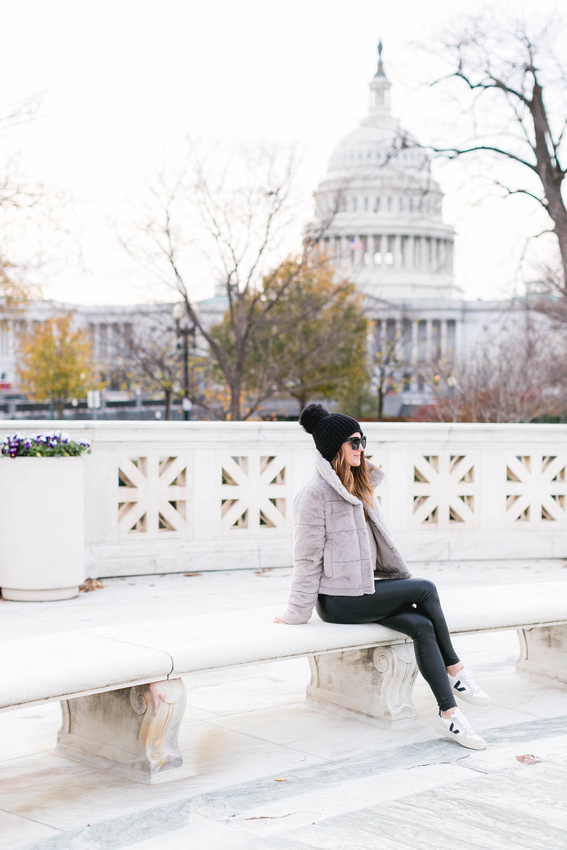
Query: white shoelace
(462, 721)
(467, 677)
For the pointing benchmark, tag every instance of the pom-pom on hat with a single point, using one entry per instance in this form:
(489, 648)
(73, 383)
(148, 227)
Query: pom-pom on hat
(329, 430)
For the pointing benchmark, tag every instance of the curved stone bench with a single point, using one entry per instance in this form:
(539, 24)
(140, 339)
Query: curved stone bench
(121, 687)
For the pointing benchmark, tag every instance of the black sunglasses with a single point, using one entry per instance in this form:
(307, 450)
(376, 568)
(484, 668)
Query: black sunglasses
(357, 442)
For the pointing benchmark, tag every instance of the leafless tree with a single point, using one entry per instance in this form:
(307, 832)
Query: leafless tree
(237, 212)
(19, 113)
(387, 366)
(26, 206)
(511, 88)
(509, 376)
(149, 357)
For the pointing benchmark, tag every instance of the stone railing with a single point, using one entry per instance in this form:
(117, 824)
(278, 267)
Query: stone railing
(192, 496)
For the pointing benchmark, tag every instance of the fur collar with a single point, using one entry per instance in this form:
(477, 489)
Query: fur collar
(324, 469)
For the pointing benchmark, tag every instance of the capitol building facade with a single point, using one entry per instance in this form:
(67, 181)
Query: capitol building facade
(386, 233)
(378, 219)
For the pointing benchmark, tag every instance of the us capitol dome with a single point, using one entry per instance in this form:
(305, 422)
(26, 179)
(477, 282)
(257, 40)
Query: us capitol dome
(379, 209)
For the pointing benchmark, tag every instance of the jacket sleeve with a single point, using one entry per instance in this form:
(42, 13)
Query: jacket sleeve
(308, 548)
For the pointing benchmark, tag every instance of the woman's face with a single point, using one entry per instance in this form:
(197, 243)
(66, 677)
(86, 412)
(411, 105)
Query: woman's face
(351, 456)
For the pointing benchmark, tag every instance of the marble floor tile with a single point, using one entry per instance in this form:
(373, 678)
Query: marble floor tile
(203, 834)
(29, 625)
(523, 809)
(503, 754)
(29, 730)
(516, 698)
(278, 817)
(215, 755)
(529, 694)
(66, 795)
(239, 689)
(18, 832)
(492, 651)
(406, 771)
(193, 713)
(322, 733)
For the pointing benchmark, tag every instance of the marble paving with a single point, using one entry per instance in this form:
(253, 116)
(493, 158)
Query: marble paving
(266, 770)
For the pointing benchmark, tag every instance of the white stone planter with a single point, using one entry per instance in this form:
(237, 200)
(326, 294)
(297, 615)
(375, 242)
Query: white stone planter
(41, 528)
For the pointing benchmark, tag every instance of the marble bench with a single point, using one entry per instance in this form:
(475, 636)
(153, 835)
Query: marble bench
(123, 698)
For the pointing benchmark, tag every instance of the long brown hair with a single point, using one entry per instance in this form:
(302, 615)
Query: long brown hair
(355, 479)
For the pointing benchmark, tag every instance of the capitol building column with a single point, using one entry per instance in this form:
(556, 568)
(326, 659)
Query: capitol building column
(428, 339)
(383, 250)
(443, 337)
(398, 256)
(370, 250)
(410, 253)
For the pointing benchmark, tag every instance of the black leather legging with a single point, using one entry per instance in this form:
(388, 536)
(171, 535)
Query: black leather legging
(410, 606)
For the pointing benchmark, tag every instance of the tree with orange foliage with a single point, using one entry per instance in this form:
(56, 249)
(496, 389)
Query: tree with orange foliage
(56, 362)
(309, 338)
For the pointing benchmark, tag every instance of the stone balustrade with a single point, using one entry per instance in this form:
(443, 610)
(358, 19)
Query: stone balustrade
(192, 496)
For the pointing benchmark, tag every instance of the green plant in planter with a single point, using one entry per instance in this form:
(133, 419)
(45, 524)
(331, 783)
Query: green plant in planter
(43, 445)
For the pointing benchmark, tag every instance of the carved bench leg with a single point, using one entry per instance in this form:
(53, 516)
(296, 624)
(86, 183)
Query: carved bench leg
(543, 651)
(131, 732)
(376, 682)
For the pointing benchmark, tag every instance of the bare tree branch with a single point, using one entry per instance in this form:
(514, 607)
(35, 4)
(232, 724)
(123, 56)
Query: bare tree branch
(509, 191)
(509, 70)
(238, 219)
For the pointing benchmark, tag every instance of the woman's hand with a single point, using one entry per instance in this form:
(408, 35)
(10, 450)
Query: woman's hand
(280, 620)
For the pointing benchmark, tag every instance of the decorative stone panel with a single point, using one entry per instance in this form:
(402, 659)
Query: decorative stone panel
(254, 491)
(152, 495)
(444, 490)
(536, 489)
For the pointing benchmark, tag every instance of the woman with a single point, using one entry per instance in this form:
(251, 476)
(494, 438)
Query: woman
(346, 563)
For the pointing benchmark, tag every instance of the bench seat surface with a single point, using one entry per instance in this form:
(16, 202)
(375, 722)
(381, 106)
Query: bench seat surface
(67, 664)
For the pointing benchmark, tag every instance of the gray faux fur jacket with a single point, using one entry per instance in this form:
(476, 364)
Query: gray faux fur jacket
(331, 552)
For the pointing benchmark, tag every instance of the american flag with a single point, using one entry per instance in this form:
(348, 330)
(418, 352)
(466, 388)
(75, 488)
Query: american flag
(356, 244)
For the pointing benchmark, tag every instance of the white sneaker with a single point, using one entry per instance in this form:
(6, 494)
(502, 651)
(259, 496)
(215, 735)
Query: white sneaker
(466, 688)
(458, 728)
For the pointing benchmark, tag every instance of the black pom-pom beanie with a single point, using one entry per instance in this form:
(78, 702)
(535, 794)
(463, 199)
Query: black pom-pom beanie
(329, 430)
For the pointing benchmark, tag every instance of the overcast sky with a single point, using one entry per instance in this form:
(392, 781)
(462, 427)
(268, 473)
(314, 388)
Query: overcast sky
(125, 81)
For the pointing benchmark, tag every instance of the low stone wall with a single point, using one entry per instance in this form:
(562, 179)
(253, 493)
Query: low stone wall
(191, 496)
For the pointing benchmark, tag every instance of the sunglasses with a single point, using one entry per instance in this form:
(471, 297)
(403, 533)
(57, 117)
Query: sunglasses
(357, 442)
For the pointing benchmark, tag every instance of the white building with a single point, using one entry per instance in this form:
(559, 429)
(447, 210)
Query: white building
(108, 326)
(379, 211)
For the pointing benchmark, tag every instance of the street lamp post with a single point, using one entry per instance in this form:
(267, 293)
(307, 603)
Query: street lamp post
(184, 330)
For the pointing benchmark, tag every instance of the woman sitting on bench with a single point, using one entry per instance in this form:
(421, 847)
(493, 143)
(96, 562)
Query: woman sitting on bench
(346, 564)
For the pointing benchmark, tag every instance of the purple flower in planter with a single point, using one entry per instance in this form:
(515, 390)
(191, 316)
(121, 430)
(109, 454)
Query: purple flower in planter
(43, 445)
